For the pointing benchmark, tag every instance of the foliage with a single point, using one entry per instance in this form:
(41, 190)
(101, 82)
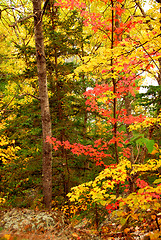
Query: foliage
(106, 133)
(116, 65)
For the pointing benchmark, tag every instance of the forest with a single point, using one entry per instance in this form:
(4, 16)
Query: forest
(80, 113)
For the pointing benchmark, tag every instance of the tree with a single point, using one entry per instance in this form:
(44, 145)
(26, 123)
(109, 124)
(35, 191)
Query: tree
(111, 64)
(119, 64)
(67, 107)
(44, 101)
(22, 42)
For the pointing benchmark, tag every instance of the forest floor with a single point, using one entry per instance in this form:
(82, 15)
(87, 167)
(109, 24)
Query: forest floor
(26, 224)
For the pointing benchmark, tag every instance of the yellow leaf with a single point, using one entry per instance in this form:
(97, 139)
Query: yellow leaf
(7, 236)
(155, 235)
(113, 197)
(75, 235)
(134, 216)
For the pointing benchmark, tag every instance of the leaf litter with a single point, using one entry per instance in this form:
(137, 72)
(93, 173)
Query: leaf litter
(26, 224)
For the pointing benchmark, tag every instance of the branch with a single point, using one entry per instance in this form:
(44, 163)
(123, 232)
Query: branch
(143, 13)
(25, 94)
(6, 8)
(3, 111)
(44, 8)
(149, 55)
(21, 20)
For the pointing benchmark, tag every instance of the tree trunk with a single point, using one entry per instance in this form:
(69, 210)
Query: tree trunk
(114, 87)
(45, 111)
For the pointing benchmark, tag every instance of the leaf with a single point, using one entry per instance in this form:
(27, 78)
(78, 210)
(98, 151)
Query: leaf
(155, 235)
(153, 216)
(149, 143)
(122, 221)
(121, 204)
(7, 236)
(134, 216)
(113, 197)
(137, 135)
(157, 181)
(126, 230)
(75, 235)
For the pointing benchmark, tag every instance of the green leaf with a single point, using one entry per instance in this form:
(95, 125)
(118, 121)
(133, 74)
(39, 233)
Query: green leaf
(136, 136)
(122, 221)
(147, 142)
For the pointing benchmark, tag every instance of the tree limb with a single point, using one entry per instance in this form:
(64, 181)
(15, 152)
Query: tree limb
(22, 20)
(28, 94)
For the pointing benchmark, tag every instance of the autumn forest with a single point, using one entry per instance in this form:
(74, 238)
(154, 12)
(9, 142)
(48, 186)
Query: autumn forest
(80, 109)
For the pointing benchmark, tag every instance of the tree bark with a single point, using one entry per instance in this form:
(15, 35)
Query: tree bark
(44, 101)
(114, 87)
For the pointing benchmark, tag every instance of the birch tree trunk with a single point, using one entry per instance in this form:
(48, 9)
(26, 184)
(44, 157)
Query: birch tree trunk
(44, 101)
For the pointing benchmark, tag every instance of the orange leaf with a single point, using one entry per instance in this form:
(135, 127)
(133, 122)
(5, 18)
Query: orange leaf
(126, 230)
(153, 217)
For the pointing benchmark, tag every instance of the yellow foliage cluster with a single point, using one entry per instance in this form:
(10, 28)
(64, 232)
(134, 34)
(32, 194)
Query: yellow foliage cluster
(150, 165)
(98, 191)
(8, 150)
(148, 122)
(108, 95)
(146, 198)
